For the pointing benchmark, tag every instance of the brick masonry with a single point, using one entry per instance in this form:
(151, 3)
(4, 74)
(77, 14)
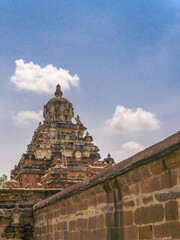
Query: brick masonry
(138, 198)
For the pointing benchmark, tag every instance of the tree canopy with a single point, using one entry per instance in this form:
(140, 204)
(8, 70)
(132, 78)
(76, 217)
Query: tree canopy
(3, 180)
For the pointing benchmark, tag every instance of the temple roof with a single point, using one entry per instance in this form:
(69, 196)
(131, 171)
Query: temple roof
(58, 109)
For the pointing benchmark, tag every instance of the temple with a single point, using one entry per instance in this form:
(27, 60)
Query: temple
(61, 153)
(135, 199)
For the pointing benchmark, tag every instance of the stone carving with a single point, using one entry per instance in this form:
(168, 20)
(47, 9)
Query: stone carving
(59, 151)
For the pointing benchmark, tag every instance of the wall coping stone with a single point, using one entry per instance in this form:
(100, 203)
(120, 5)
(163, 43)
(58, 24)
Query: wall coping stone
(150, 154)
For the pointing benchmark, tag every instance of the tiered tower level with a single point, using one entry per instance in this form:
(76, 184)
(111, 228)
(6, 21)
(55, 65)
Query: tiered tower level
(60, 153)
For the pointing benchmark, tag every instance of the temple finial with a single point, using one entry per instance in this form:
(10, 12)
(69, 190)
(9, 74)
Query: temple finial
(58, 93)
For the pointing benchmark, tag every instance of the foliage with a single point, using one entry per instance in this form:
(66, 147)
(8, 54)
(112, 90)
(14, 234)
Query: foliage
(3, 180)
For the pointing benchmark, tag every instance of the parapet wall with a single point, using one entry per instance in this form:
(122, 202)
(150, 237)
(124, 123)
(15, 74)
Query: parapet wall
(138, 198)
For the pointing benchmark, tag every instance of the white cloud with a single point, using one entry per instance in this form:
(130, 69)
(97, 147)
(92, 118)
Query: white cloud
(128, 149)
(25, 116)
(125, 120)
(32, 77)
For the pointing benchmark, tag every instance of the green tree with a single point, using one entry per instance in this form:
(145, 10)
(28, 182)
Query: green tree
(3, 180)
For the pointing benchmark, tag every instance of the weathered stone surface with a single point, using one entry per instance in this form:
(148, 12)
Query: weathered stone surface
(109, 217)
(71, 225)
(172, 160)
(101, 221)
(168, 229)
(99, 234)
(137, 175)
(83, 205)
(158, 167)
(73, 208)
(85, 234)
(127, 204)
(130, 232)
(167, 196)
(92, 223)
(147, 199)
(166, 180)
(145, 232)
(150, 214)
(128, 218)
(171, 211)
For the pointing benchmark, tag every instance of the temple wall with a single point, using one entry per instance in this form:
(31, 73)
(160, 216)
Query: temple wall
(138, 198)
(16, 218)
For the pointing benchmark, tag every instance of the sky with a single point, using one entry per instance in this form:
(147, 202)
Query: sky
(117, 61)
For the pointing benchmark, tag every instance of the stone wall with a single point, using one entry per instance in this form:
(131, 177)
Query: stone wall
(138, 198)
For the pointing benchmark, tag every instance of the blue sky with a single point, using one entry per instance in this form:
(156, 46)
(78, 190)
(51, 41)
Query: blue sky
(125, 53)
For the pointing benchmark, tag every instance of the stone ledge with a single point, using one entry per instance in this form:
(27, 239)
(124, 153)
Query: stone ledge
(161, 149)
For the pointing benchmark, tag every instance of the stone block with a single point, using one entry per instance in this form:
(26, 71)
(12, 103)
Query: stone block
(85, 235)
(121, 181)
(56, 235)
(92, 201)
(166, 180)
(63, 211)
(82, 223)
(137, 175)
(128, 203)
(84, 195)
(125, 190)
(59, 226)
(115, 233)
(83, 205)
(167, 230)
(134, 189)
(162, 197)
(102, 198)
(145, 232)
(127, 218)
(73, 208)
(92, 223)
(98, 188)
(145, 215)
(76, 235)
(171, 211)
(51, 228)
(110, 196)
(109, 218)
(99, 234)
(157, 167)
(71, 235)
(64, 226)
(54, 227)
(116, 218)
(130, 233)
(71, 225)
(147, 199)
(66, 235)
(129, 190)
(100, 221)
(172, 160)
(61, 235)
(56, 214)
(44, 230)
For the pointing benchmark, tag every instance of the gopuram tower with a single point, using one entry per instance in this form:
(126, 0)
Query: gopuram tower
(60, 153)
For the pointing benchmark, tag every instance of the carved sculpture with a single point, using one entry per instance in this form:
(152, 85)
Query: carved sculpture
(59, 154)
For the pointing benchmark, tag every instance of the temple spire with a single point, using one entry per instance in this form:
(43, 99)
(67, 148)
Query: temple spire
(58, 93)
